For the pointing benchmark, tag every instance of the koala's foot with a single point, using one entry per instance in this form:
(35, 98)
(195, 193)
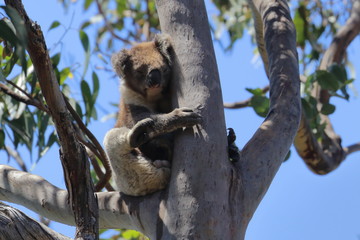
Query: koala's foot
(233, 150)
(161, 163)
(141, 132)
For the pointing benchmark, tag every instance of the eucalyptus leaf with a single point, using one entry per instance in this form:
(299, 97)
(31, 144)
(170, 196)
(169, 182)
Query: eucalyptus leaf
(54, 24)
(327, 80)
(327, 109)
(260, 105)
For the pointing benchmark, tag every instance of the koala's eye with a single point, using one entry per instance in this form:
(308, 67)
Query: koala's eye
(139, 72)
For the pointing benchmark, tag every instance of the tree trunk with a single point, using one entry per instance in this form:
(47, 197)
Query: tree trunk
(209, 197)
(197, 204)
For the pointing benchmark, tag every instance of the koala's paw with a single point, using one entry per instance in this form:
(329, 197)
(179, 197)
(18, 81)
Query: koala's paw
(187, 117)
(161, 164)
(141, 132)
(233, 150)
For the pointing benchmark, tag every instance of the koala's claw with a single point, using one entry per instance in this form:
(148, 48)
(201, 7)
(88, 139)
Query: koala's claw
(188, 116)
(185, 109)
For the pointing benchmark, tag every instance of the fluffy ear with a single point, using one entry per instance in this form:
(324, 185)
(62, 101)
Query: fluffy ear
(164, 44)
(121, 62)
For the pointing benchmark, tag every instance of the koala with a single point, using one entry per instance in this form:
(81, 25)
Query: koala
(140, 145)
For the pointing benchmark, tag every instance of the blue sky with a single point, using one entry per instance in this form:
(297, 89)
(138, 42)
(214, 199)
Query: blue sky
(299, 204)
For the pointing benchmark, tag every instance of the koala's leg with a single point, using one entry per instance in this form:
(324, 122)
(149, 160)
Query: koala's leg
(159, 124)
(160, 147)
(134, 174)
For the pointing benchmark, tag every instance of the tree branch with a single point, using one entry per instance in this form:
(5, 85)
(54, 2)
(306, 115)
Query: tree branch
(266, 150)
(16, 225)
(25, 99)
(73, 155)
(352, 148)
(115, 210)
(323, 157)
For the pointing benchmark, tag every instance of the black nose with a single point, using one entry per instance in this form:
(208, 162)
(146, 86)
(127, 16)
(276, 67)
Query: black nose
(154, 78)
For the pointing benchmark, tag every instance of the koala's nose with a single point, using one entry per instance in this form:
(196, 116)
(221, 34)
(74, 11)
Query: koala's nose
(154, 78)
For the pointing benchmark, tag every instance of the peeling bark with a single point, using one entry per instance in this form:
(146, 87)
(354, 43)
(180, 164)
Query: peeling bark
(16, 225)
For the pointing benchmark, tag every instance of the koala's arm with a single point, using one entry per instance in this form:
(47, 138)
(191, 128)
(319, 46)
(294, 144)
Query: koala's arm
(159, 124)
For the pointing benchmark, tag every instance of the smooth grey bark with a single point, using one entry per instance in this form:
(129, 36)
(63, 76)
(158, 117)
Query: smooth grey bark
(197, 205)
(208, 196)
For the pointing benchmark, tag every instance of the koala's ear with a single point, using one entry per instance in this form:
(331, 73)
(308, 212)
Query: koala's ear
(121, 62)
(164, 44)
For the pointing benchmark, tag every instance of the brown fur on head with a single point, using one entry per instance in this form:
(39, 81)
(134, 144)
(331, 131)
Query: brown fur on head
(146, 68)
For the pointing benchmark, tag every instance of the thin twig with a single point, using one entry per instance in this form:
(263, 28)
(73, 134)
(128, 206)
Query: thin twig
(27, 99)
(98, 169)
(352, 148)
(97, 148)
(19, 88)
(245, 103)
(13, 153)
(108, 26)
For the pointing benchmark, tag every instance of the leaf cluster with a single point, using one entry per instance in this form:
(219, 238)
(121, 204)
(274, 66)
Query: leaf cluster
(335, 81)
(26, 125)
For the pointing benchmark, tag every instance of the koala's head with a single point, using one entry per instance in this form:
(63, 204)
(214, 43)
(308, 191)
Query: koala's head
(146, 68)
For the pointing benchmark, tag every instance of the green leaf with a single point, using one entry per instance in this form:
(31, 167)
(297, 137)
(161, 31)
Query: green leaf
(327, 80)
(10, 64)
(339, 71)
(21, 35)
(96, 87)
(78, 110)
(130, 234)
(52, 139)
(54, 24)
(349, 81)
(87, 4)
(327, 109)
(300, 25)
(86, 93)
(309, 108)
(7, 31)
(255, 91)
(55, 59)
(85, 25)
(260, 105)
(64, 74)
(2, 77)
(287, 156)
(2, 138)
(84, 40)
(86, 45)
